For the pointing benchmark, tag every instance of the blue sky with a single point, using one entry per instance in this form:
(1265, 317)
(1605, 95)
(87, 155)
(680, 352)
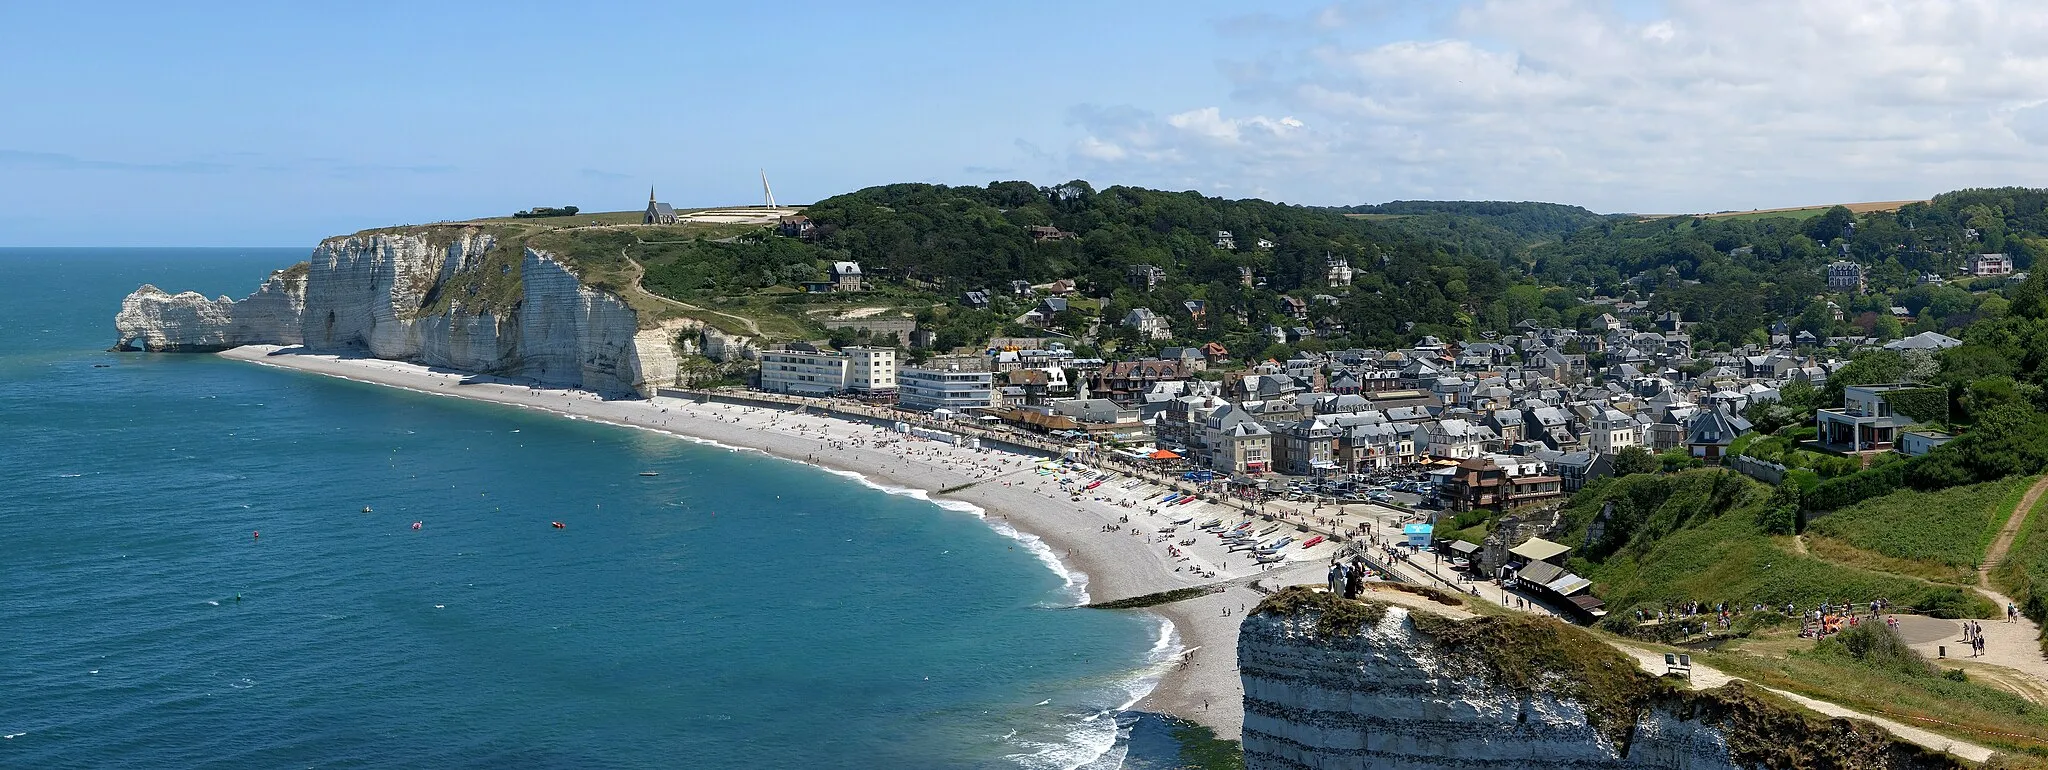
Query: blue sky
(280, 123)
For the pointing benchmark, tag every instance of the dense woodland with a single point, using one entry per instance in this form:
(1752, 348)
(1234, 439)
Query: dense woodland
(1450, 269)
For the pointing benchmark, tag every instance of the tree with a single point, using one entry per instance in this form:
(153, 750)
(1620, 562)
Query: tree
(1634, 460)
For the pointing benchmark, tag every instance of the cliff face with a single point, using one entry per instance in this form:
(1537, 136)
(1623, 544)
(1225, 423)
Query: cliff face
(1336, 684)
(158, 321)
(449, 298)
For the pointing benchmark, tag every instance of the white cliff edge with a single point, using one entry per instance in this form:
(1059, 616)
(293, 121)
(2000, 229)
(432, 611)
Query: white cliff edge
(399, 296)
(155, 320)
(1387, 694)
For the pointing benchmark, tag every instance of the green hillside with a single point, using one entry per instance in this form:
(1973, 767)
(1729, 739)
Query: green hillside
(1702, 536)
(1938, 535)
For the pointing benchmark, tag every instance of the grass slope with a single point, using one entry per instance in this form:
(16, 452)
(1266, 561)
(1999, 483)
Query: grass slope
(1694, 536)
(1934, 535)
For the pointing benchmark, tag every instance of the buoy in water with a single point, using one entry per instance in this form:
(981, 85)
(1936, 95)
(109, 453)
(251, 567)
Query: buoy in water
(417, 524)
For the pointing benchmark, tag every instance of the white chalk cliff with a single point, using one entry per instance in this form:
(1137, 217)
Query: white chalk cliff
(425, 297)
(1388, 693)
(155, 320)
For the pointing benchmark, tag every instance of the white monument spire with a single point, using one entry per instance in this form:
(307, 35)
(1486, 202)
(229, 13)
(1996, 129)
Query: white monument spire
(766, 191)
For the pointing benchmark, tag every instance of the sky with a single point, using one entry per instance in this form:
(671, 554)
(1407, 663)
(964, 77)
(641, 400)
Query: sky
(276, 124)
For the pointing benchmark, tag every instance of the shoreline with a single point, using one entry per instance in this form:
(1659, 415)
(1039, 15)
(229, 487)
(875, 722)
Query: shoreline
(1198, 682)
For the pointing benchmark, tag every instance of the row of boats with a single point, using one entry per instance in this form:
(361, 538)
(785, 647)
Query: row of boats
(1240, 537)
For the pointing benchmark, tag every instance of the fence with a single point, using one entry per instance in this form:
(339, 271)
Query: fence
(1762, 470)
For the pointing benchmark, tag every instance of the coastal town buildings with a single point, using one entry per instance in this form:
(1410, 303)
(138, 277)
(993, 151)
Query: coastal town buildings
(925, 389)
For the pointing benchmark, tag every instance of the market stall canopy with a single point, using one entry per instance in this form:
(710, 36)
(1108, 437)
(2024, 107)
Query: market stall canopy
(1163, 455)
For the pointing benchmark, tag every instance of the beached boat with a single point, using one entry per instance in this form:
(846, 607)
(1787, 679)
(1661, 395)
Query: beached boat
(1167, 530)
(1269, 530)
(1178, 522)
(1313, 541)
(1212, 523)
(1269, 558)
(1091, 485)
(1186, 500)
(1278, 543)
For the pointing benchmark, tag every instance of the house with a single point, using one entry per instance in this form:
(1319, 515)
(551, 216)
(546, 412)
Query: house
(1844, 275)
(1611, 431)
(1924, 341)
(1989, 265)
(1215, 351)
(1709, 433)
(657, 213)
(1145, 277)
(1244, 276)
(977, 300)
(1457, 439)
(1042, 233)
(1061, 287)
(796, 226)
(846, 276)
(1294, 307)
(1197, 310)
(1043, 313)
(1481, 482)
(1375, 445)
(1125, 381)
(1336, 271)
(1914, 443)
(1224, 240)
(1147, 323)
(1307, 447)
(1235, 442)
(1021, 288)
(1872, 416)
(1038, 386)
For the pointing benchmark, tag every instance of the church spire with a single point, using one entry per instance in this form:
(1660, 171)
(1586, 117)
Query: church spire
(650, 193)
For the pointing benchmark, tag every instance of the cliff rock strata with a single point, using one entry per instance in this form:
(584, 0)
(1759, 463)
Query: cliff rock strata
(158, 321)
(454, 298)
(1331, 683)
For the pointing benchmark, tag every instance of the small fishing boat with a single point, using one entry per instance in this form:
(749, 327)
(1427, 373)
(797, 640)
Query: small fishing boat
(650, 473)
(1269, 558)
(366, 509)
(1091, 485)
(1212, 523)
(1313, 541)
(1186, 500)
(1269, 530)
(1178, 522)
(1167, 530)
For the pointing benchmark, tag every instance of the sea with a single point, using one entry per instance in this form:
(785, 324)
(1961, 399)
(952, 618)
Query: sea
(211, 564)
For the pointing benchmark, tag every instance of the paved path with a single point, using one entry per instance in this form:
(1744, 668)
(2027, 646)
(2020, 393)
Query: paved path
(2016, 644)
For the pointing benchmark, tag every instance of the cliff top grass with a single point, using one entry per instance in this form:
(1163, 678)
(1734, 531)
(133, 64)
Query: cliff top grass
(1699, 536)
(602, 256)
(1886, 680)
(1937, 535)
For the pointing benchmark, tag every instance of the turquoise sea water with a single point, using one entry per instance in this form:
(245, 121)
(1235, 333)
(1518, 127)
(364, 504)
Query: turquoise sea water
(735, 611)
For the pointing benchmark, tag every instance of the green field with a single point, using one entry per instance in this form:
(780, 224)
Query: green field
(1934, 535)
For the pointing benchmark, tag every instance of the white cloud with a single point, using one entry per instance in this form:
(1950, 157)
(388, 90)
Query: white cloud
(1716, 104)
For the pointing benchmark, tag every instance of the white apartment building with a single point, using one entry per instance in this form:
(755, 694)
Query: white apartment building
(930, 389)
(806, 370)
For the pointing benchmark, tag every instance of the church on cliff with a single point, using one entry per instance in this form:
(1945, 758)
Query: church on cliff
(658, 213)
